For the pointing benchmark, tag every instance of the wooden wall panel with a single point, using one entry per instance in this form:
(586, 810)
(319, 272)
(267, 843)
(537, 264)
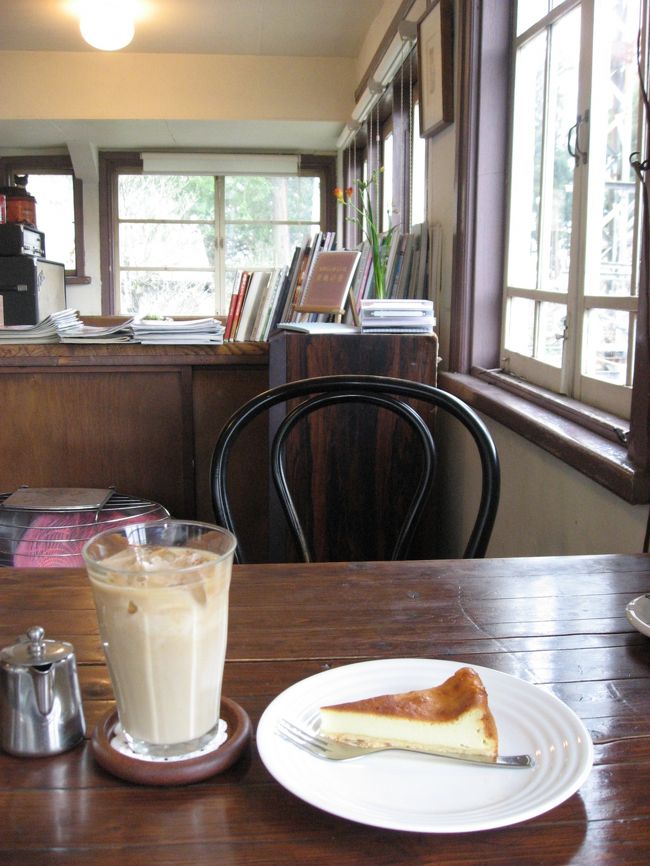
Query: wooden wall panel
(131, 428)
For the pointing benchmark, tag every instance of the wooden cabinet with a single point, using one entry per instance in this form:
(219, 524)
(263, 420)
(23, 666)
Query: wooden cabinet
(145, 419)
(347, 486)
(141, 418)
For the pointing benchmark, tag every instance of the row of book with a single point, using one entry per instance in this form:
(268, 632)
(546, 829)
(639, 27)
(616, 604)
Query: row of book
(262, 298)
(66, 327)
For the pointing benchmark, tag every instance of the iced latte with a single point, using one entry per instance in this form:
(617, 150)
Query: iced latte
(162, 608)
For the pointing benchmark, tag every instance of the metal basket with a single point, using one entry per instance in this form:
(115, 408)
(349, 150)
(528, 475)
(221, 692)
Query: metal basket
(51, 535)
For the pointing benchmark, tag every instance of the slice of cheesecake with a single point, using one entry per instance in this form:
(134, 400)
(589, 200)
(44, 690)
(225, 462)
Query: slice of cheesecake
(452, 718)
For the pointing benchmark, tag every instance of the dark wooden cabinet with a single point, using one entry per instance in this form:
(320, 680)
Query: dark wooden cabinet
(141, 418)
(347, 486)
(145, 419)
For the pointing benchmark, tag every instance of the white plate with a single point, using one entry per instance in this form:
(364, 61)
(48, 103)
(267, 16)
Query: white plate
(638, 613)
(406, 791)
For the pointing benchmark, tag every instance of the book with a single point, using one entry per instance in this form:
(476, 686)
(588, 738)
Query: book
(281, 301)
(295, 286)
(250, 305)
(319, 327)
(231, 312)
(266, 311)
(328, 284)
(244, 277)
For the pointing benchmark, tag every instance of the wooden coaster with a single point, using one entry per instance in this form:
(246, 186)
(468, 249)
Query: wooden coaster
(173, 772)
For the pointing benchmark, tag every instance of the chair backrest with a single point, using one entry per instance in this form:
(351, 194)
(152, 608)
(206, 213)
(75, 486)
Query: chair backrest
(309, 396)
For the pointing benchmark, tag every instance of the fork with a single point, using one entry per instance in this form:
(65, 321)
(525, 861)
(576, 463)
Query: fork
(331, 750)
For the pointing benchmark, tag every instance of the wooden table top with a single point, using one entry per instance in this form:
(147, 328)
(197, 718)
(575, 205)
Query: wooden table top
(557, 622)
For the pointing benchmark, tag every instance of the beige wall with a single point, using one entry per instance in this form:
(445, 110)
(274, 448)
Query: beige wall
(95, 85)
(546, 508)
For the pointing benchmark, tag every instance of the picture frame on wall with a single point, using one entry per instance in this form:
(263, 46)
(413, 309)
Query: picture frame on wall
(436, 67)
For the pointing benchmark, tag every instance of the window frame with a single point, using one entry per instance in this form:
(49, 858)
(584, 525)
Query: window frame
(112, 163)
(54, 164)
(577, 297)
(599, 445)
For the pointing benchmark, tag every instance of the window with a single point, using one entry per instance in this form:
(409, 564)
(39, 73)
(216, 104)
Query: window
(397, 149)
(176, 241)
(418, 169)
(602, 445)
(59, 212)
(574, 216)
(387, 178)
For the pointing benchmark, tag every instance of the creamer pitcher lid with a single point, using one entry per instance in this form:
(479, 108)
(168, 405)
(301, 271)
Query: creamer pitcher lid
(33, 649)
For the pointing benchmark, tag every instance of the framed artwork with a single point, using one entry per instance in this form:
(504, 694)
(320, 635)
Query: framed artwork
(436, 67)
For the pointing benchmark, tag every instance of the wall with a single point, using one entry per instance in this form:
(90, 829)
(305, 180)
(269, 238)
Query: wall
(96, 85)
(546, 508)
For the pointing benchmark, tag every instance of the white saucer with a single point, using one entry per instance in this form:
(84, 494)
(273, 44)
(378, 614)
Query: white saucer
(638, 613)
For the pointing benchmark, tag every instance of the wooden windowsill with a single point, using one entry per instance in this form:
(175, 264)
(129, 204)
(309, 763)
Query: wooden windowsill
(598, 456)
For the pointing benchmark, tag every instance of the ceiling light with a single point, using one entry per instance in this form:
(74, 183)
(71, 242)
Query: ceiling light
(107, 24)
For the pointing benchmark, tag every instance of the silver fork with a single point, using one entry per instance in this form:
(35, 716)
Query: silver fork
(322, 747)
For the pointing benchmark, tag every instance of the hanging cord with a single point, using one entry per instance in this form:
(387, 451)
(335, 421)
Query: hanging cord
(640, 168)
(409, 147)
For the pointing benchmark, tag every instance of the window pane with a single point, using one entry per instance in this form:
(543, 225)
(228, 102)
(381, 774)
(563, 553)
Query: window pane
(528, 12)
(162, 293)
(561, 113)
(263, 246)
(171, 245)
(272, 198)
(54, 196)
(387, 217)
(527, 164)
(606, 345)
(520, 332)
(418, 173)
(614, 136)
(166, 197)
(550, 338)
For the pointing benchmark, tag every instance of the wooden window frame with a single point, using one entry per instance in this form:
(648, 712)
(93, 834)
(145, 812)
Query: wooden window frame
(576, 434)
(112, 162)
(54, 164)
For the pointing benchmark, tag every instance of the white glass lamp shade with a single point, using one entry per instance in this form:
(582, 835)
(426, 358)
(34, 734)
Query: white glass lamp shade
(107, 24)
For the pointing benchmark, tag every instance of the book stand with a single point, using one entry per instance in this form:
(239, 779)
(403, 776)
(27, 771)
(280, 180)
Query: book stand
(337, 312)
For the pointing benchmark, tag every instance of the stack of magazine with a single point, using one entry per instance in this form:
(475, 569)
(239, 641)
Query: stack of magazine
(66, 327)
(392, 316)
(49, 330)
(208, 331)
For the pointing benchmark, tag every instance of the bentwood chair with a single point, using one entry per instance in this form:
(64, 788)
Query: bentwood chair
(414, 455)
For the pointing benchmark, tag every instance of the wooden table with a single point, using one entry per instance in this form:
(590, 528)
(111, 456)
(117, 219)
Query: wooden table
(557, 622)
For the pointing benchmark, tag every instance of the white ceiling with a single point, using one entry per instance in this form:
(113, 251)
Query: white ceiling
(330, 28)
(320, 28)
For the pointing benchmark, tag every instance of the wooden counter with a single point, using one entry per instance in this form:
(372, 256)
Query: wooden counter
(141, 418)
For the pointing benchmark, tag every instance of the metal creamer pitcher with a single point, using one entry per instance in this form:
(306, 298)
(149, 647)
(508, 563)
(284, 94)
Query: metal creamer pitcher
(40, 702)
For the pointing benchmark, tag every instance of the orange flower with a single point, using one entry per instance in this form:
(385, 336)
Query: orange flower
(338, 192)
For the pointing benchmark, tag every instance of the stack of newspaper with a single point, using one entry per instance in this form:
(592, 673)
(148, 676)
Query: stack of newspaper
(168, 331)
(392, 316)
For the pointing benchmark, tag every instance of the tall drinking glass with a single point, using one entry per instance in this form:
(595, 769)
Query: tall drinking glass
(161, 595)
